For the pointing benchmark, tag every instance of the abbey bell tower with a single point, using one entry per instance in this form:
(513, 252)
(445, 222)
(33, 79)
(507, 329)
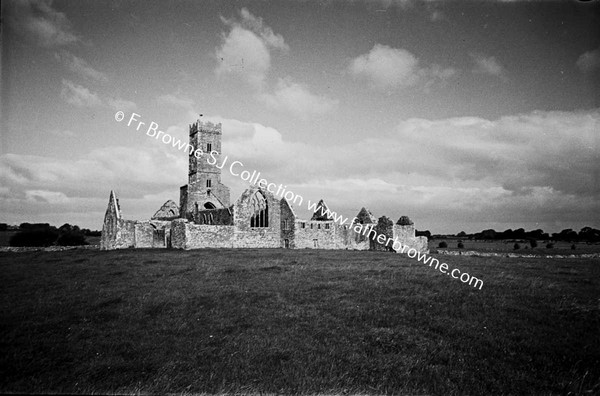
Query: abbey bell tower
(204, 189)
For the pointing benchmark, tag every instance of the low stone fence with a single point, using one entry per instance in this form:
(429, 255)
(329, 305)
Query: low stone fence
(19, 249)
(491, 254)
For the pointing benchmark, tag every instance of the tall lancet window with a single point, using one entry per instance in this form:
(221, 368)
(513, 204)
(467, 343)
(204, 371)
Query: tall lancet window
(260, 210)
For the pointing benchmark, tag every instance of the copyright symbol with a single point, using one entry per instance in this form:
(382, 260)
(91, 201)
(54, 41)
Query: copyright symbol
(119, 116)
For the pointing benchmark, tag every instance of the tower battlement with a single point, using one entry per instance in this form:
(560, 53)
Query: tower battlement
(205, 127)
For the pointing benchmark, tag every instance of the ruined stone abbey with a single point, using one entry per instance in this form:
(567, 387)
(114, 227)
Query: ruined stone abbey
(205, 217)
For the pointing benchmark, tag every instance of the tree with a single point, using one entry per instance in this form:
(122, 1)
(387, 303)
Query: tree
(40, 235)
(70, 236)
(34, 226)
(73, 238)
(65, 228)
(533, 243)
(43, 234)
(566, 235)
(589, 234)
(486, 234)
(507, 234)
(519, 234)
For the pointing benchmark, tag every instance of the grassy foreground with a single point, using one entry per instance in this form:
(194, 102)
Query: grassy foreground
(285, 321)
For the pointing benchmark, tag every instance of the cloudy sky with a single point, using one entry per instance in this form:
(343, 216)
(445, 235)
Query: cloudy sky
(462, 115)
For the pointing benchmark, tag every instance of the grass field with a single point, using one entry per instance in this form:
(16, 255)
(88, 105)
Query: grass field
(296, 322)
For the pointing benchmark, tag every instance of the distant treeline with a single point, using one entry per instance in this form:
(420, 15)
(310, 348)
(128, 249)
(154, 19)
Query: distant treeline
(586, 234)
(43, 234)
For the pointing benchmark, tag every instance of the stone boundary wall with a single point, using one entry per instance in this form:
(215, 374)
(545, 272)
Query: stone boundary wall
(125, 236)
(185, 235)
(305, 237)
(513, 255)
(336, 237)
(143, 235)
(23, 249)
(256, 238)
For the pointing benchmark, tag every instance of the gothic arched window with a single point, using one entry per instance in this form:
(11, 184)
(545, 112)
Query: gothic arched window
(260, 210)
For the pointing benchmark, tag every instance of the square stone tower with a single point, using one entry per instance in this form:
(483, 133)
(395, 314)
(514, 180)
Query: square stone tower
(204, 189)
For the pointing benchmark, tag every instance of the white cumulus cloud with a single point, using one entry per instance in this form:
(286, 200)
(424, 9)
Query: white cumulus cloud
(297, 99)
(386, 67)
(256, 25)
(245, 50)
(244, 54)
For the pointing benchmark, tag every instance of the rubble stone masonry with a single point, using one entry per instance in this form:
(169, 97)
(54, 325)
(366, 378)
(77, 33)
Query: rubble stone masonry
(205, 218)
